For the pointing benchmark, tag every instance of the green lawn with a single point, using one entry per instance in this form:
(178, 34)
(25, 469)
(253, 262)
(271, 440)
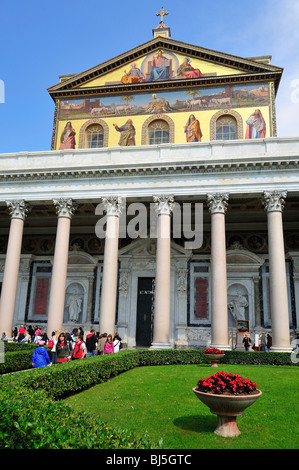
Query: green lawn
(160, 400)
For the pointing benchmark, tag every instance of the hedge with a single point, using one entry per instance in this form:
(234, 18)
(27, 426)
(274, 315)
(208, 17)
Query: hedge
(30, 420)
(33, 417)
(17, 356)
(15, 346)
(20, 358)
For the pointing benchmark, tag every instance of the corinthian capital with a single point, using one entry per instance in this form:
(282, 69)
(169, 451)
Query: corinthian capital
(18, 209)
(274, 202)
(65, 207)
(164, 204)
(217, 203)
(112, 205)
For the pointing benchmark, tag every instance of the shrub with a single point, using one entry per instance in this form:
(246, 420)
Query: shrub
(30, 409)
(14, 346)
(30, 420)
(16, 361)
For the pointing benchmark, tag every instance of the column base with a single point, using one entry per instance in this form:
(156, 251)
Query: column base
(157, 346)
(280, 349)
(223, 347)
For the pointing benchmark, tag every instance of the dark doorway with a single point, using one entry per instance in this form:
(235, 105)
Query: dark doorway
(145, 311)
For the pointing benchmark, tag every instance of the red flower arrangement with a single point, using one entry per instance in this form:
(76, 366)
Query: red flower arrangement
(226, 383)
(213, 351)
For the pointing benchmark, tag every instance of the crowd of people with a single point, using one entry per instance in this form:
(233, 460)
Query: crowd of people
(64, 346)
(264, 341)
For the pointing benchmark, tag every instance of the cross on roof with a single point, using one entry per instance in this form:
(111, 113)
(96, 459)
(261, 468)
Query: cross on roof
(162, 13)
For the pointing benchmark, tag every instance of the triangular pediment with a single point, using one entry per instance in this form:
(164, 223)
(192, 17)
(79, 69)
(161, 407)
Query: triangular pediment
(145, 247)
(241, 256)
(80, 257)
(207, 67)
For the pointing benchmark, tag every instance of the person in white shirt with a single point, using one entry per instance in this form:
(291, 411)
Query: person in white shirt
(117, 342)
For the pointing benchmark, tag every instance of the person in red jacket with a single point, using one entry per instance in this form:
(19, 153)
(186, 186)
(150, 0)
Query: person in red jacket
(79, 351)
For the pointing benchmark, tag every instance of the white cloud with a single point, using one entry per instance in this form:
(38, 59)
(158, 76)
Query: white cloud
(281, 25)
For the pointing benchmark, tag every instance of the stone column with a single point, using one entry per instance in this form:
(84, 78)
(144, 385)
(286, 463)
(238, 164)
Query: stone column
(164, 208)
(219, 322)
(65, 209)
(18, 211)
(113, 208)
(274, 204)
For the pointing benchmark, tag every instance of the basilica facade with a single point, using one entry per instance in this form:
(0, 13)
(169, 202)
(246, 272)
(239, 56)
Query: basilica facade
(166, 209)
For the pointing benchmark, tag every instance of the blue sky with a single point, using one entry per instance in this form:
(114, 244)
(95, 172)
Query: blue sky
(41, 40)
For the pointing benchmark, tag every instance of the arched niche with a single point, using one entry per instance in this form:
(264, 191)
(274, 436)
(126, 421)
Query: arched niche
(226, 112)
(157, 117)
(243, 281)
(89, 123)
(80, 280)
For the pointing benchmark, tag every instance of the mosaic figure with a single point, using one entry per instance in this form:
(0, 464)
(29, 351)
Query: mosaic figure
(256, 126)
(133, 76)
(67, 139)
(192, 130)
(187, 71)
(127, 134)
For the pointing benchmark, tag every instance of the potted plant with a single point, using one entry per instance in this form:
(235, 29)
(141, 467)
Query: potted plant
(214, 355)
(227, 395)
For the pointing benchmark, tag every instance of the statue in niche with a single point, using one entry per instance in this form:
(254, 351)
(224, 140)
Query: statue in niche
(237, 306)
(74, 303)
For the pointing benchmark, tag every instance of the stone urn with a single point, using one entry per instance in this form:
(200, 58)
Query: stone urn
(227, 407)
(214, 358)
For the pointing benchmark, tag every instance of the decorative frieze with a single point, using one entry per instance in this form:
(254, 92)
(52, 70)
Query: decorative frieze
(198, 336)
(182, 281)
(124, 281)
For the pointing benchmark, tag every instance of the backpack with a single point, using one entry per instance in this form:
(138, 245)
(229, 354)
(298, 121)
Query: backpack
(78, 352)
(50, 343)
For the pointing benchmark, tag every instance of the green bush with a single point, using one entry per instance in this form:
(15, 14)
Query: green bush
(14, 346)
(30, 420)
(20, 358)
(16, 361)
(258, 358)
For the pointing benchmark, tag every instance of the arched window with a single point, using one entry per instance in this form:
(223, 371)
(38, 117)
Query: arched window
(94, 136)
(158, 132)
(226, 128)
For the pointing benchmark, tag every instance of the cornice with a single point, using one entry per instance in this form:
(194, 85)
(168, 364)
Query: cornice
(154, 169)
(169, 85)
